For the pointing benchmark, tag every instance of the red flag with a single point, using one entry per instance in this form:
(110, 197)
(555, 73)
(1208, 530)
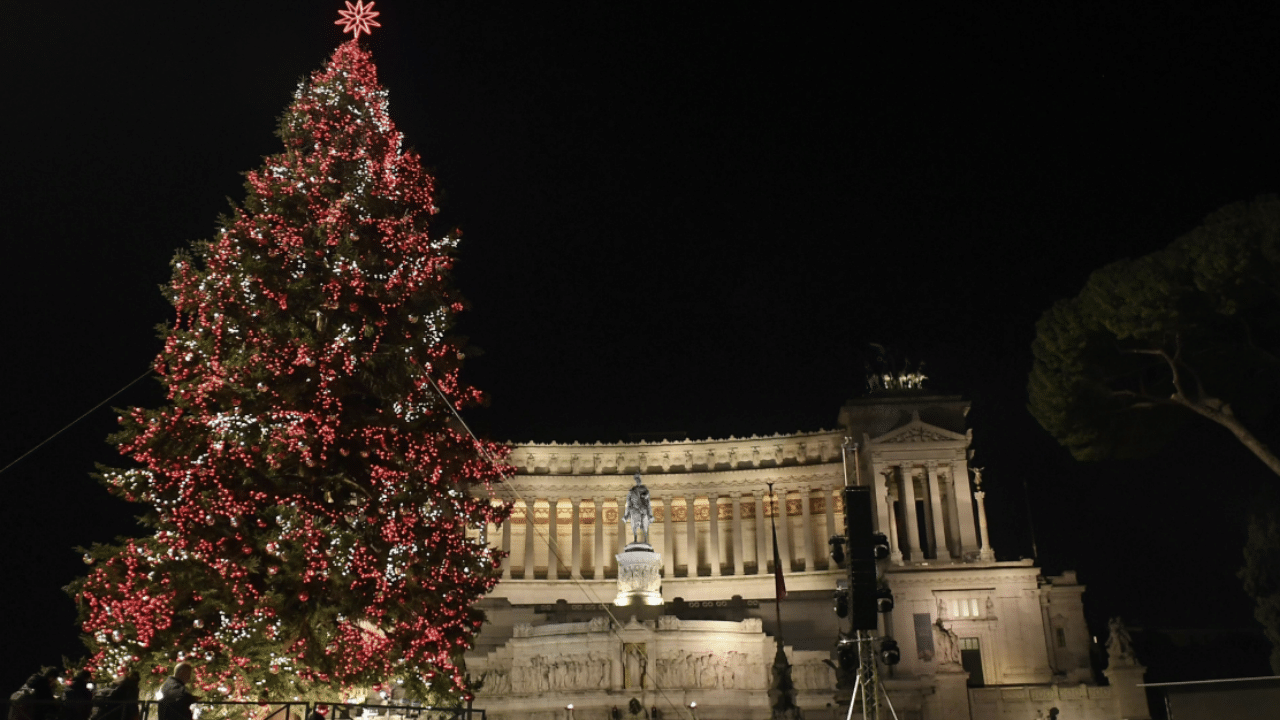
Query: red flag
(780, 585)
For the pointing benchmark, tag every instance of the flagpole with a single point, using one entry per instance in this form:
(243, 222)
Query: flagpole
(779, 586)
(782, 690)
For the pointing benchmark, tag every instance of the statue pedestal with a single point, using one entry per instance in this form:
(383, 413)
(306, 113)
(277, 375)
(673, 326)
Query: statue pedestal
(951, 694)
(1131, 700)
(639, 576)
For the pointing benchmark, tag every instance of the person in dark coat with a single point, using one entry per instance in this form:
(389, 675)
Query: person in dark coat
(77, 699)
(122, 702)
(175, 699)
(35, 700)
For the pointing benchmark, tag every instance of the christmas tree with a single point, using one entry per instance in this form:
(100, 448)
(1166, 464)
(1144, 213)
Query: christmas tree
(315, 507)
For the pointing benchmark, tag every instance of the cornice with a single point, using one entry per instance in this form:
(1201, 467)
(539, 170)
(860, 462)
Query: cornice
(675, 443)
(961, 575)
(681, 456)
(753, 480)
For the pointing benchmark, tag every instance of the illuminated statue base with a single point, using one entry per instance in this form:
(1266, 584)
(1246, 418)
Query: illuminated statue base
(639, 576)
(666, 663)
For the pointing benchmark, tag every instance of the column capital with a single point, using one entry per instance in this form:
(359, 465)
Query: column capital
(576, 501)
(713, 496)
(598, 500)
(932, 465)
(528, 502)
(802, 487)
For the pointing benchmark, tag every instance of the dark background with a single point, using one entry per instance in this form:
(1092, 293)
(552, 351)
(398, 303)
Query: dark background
(677, 217)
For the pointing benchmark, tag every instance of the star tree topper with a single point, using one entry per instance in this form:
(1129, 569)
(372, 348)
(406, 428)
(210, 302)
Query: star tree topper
(358, 19)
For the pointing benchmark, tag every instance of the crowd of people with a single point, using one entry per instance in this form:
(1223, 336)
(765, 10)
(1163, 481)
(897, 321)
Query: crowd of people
(81, 699)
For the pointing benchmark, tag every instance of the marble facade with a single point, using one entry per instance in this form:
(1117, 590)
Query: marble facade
(558, 635)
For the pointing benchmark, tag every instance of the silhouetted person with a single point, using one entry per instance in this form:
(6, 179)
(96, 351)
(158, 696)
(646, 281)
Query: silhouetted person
(34, 700)
(77, 699)
(175, 699)
(121, 702)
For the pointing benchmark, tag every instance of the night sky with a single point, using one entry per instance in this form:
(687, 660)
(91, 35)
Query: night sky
(676, 217)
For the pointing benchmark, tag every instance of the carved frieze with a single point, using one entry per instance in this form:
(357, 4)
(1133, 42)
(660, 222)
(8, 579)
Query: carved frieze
(589, 671)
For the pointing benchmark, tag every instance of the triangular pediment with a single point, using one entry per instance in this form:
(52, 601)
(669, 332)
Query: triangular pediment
(917, 431)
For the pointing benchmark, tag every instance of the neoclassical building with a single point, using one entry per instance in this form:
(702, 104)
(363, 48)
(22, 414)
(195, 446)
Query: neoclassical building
(979, 638)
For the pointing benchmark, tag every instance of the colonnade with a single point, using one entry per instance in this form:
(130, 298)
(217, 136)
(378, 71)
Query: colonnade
(945, 529)
(711, 533)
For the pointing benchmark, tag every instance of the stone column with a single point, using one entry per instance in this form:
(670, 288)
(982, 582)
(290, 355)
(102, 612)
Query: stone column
(575, 572)
(506, 548)
(829, 505)
(762, 549)
(987, 554)
(668, 539)
(926, 551)
(553, 540)
(884, 514)
(895, 550)
(691, 538)
(806, 530)
(939, 539)
(713, 533)
(736, 499)
(907, 496)
(784, 537)
(528, 539)
(953, 516)
(964, 505)
(598, 555)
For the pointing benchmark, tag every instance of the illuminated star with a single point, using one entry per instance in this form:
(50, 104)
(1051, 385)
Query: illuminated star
(358, 18)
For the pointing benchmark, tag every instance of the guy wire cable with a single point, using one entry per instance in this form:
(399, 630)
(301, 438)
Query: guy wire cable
(73, 422)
